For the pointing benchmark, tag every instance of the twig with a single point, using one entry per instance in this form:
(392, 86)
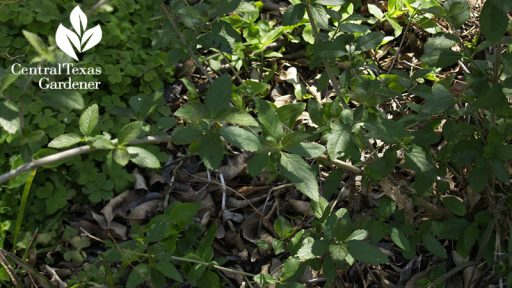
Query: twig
(401, 44)
(341, 164)
(71, 153)
(220, 268)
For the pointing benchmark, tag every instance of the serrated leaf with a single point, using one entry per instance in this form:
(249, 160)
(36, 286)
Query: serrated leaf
(241, 138)
(269, 119)
(121, 156)
(290, 267)
(375, 11)
(295, 169)
(289, 113)
(493, 21)
(366, 253)
(143, 157)
(400, 239)
(9, 117)
(305, 251)
(434, 246)
(64, 141)
(458, 12)
(308, 150)
(338, 252)
(238, 117)
(218, 96)
(359, 234)
(320, 16)
(294, 14)
(192, 112)
(129, 132)
(169, 270)
(337, 140)
(89, 120)
(369, 41)
(211, 150)
(182, 135)
(330, 2)
(438, 52)
(454, 204)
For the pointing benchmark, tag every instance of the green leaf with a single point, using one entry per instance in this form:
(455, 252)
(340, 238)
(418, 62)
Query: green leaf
(185, 134)
(294, 14)
(299, 173)
(138, 275)
(359, 234)
(434, 246)
(308, 150)
(331, 2)
(63, 100)
(320, 16)
(471, 235)
(257, 163)
(400, 239)
(237, 117)
(211, 150)
(454, 204)
(338, 252)
(457, 12)
(283, 227)
(129, 132)
(417, 159)
(438, 52)
(121, 156)
(389, 131)
(305, 251)
(38, 44)
(169, 270)
(493, 21)
(290, 267)
(143, 157)
(369, 41)
(269, 119)
(64, 141)
(9, 119)
(375, 11)
(89, 120)
(218, 96)
(289, 113)
(192, 112)
(366, 253)
(337, 140)
(241, 138)
(103, 143)
(382, 167)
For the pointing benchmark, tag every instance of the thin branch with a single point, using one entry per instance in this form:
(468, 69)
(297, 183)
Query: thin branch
(341, 164)
(71, 153)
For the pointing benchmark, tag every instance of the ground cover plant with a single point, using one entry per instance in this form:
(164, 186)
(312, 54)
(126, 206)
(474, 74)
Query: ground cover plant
(316, 143)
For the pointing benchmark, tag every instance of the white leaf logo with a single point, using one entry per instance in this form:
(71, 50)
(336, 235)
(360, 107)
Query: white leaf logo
(82, 39)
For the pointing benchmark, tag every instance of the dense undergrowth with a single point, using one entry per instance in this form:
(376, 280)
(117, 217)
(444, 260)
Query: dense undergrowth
(327, 143)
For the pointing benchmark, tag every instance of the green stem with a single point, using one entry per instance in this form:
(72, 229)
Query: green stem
(23, 204)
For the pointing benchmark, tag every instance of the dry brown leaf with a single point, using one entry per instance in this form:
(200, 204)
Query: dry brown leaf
(121, 204)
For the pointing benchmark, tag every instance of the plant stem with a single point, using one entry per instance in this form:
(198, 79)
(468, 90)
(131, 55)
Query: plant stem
(172, 20)
(23, 204)
(220, 268)
(328, 67)
(71, 153)
(341, 164)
